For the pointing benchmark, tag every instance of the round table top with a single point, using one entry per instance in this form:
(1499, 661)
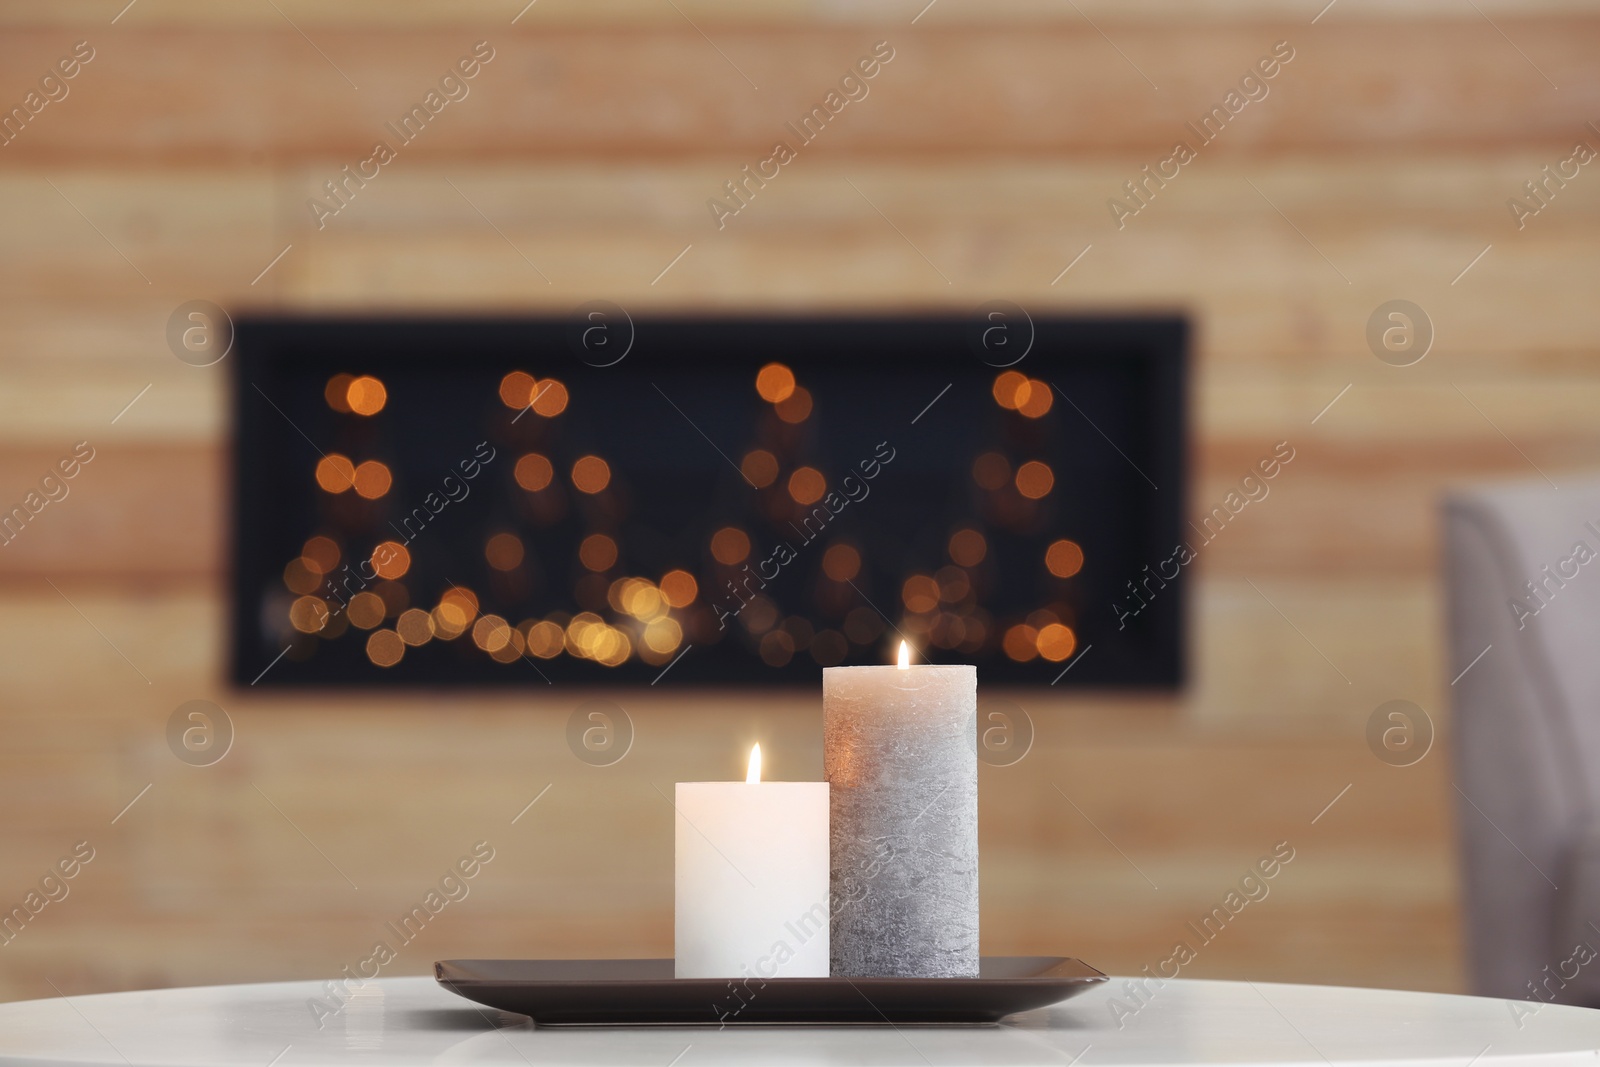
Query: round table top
(414, 1021)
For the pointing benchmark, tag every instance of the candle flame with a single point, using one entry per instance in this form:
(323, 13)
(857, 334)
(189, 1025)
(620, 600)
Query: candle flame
(905, 657)
(754, 774)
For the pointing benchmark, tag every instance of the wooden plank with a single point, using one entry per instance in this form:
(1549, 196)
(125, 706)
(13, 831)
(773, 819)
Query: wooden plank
(632, 14)
(958, 90)
(1189, 802)
(1258, 288)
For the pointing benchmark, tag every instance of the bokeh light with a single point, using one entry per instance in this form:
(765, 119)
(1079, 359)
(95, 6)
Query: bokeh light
(991, 470)
(335, 473)
(796, 408)
(591, 474)
(549, 398)
(415, 626)
(491, 633)
(366, 610)
(300, 577)
(760, 468)
(841, 562)
(730, 545)
(308, 614)
(391, 559)
(598, 552)
(679, 587)
(384, 648)
(337, 392)
(1035, 479)
(775, 383)
(458, 606)
(663, 635)
(516, 390)
(1036, 402)
(807, 485)
(777, 648)
(534, 472)
(321, 554)
(373, 479)
(504, 551)
(1056, 642)
(546, 639)
(968, 547)
(1011, 389)
(366, 395)
(1064, 558)
(1021, 643)
(920, 593)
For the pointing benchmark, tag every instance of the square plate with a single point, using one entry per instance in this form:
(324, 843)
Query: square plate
(644, 993)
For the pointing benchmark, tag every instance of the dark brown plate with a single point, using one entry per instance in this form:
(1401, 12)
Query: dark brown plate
(644, 993)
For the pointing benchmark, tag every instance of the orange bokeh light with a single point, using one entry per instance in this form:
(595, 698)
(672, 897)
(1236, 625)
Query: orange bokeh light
(591, 474)
(680, 588)
(337, 392)
(516, 390)
(321, 553)
(807, 485)
(730, 545)
(391, 559)
(534, 472)
(991, 470)
(1037, 401)
(546, 639)
(365, 610)
(366, 395)
(775, 383)
(1021, 642)
(385, 647)
(457, 608)
(760, 468)
(841, 562)
(335, 473)
(598, 552)
(414, 626)
(1011, 389)
(549, 398)
(301, 576)
(1035, 479)
(373, 479)
(795, 408)
(968, 547)
(504, 551)
(1056, 642)
(308, 614)
(1064, 558)
(920, 594)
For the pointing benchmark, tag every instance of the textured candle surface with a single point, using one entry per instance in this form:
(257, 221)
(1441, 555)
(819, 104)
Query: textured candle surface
(902, 769)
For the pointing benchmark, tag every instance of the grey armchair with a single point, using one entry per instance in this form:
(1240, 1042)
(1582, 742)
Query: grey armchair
(1522, 570)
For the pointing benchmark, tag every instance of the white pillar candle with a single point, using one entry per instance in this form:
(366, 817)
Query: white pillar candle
(751, 879)
(901, 761)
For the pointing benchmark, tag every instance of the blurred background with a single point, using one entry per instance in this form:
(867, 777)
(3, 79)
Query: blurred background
(177, 164)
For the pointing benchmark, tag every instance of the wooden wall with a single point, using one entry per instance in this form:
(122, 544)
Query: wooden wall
(979, 167)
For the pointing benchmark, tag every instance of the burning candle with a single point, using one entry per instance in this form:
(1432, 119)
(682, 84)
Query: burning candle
(751, 878)
(901, 761)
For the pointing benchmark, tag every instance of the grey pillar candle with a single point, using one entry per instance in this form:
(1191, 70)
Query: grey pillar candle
(902, 770)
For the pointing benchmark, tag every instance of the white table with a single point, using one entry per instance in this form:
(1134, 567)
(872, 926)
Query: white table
(412, 1021)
